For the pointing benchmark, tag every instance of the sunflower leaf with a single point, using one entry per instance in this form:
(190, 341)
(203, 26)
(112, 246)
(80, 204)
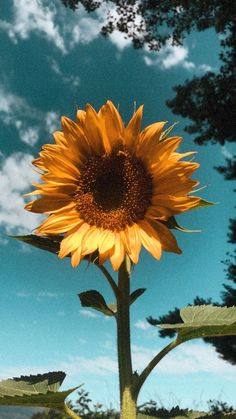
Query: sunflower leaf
(93, 299)
(50, 244)
(135, 294)
(172, 224)
(204, 321)
(35, 390)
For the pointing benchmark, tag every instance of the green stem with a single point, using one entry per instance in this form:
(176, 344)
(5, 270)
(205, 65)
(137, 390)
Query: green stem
(71, 413)
(152, 364)
(127, 399)
(109, 278)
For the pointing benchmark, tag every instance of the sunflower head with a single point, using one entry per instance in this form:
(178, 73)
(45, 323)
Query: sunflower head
(112, 188)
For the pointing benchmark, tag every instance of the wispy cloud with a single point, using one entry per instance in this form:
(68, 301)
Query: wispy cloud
(30, 123)
(53, 22)
(170, 56)
(58, 25)
(39, 295)
(185, 360)
(100, 365)
(189, 359)
(16, 176)
(71, 80)
(227, 153)
(33, 16)
(141, 324)
(88, 313)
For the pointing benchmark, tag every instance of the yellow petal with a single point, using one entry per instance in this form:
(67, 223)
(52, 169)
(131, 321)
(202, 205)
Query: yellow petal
(167, 239)
(59, 223)
(118, 254)
(93, 130)
(113, 127)
(76, 257)
(73, 239)
(133, 242)
(133, 129)
(48, 205)
(150, 239)
(81, 117)
(176, 204)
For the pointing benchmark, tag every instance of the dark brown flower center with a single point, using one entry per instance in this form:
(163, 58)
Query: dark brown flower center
(113, 191)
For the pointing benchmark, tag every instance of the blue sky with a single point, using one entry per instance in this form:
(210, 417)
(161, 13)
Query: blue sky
(53, 61)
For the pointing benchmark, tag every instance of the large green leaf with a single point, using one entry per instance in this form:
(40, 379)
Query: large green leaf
(93, 299)
(35, 390)
(204, 321)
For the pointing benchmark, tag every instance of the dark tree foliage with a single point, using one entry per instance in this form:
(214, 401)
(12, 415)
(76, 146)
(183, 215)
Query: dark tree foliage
(49, 414)
(209, 101)
(152, 22)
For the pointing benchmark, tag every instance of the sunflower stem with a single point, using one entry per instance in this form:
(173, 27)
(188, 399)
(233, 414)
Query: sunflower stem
(71, 413)
(152, 364)
(109, 278)
(127, 398)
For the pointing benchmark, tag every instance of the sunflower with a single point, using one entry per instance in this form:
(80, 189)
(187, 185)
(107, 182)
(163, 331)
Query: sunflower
(110, 188)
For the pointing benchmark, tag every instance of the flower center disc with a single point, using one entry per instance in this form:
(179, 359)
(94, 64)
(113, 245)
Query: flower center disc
(113, 191)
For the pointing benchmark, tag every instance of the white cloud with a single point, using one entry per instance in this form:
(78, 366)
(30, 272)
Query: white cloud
(55, 23)
(52, 121)
(141, 324)
(30, 123)
(73, 365)
(16, 176)
(33, 16)
(205, 68)
(227, 153)
(100, 365)
(88, 313)
(58, 25)
(187, 359)
(11, 105)
(71, 80)
(86, 29)
(169, 56)
(119, 40)
(39, 295)
(29, 135)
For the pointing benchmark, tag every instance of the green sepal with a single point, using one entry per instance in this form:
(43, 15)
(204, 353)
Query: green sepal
(35, 390)
(50, 244)
(172, 224)
(93, 299)
(204, 321)
(136, 294)
(166, 132)
(203, 204)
